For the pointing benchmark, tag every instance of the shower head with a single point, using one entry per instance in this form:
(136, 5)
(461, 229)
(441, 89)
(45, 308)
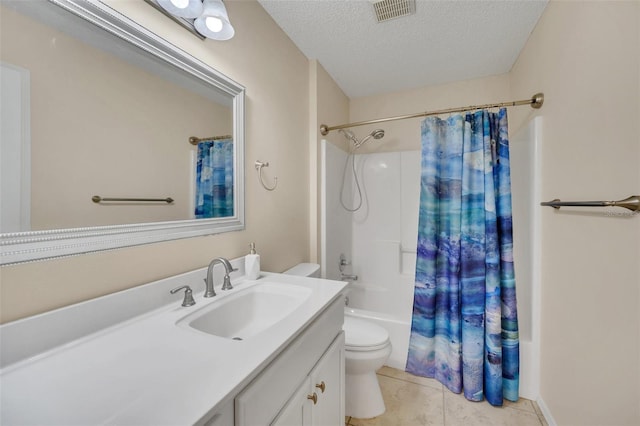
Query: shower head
(376, 134)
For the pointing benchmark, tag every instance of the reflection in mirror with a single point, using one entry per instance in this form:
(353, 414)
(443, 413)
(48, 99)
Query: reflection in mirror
(85, 113)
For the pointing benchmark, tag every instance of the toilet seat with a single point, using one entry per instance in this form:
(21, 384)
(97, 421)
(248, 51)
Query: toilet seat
(361, 335)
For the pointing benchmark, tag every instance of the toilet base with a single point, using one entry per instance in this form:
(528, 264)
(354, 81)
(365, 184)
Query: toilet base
(363, 396)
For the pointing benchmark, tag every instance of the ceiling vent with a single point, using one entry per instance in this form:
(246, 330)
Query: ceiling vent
(391, 9)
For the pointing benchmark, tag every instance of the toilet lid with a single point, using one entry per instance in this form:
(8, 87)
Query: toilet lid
(362, 334)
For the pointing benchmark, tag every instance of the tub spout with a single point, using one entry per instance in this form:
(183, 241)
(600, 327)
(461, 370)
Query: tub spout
(347, 277)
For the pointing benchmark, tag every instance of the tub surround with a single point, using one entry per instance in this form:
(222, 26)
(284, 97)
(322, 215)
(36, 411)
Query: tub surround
(379, 239)
(121, 359)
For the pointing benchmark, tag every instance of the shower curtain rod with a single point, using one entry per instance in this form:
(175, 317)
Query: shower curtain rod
(536, 102)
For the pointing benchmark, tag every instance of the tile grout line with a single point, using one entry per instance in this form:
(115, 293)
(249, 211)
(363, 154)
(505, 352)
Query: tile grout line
(409, 381)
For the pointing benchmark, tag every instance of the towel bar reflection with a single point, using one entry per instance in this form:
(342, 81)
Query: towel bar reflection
(632, 203)
(99, 199)
(194, 140)
(259, 165)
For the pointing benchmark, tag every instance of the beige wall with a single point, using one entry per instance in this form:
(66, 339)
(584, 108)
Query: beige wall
(100, 126)
(405, 134)
(585, 57)
(275, 73)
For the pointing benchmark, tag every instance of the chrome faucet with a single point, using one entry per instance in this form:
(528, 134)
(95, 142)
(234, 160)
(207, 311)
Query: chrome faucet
(226, 285)
(348, 277)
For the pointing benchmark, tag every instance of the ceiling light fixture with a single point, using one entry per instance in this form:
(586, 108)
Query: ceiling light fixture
(210, 18)
(214, 21)
(182, 8)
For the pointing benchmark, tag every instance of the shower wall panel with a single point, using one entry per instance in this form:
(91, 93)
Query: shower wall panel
(385, 230)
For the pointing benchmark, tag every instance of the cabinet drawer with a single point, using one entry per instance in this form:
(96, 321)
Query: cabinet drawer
(262, 399)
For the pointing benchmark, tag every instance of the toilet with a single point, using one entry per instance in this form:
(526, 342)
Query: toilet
(367, 348)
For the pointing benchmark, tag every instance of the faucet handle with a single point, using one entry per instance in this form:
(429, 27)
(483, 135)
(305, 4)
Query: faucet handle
(226, 283)
(188, 295)
(343, 262)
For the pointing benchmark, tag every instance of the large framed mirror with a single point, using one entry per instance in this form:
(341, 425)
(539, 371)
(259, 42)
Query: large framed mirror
(97, 113)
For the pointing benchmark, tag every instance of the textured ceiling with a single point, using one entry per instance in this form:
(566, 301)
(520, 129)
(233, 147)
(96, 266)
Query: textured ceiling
(443, 41)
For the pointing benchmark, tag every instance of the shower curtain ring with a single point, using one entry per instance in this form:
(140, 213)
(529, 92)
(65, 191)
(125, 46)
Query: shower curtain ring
(259, 165)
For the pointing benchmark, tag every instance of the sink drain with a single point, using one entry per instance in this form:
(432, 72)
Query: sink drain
(236, 338)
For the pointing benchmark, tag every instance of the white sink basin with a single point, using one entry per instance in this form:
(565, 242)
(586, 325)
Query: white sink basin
(244, 314)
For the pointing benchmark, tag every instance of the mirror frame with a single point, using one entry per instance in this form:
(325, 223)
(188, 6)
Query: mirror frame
(19, 247)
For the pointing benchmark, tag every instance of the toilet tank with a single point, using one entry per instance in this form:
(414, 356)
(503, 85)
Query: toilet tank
(305, 270)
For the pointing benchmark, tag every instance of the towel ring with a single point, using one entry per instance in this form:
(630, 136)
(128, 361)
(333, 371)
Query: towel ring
(259, 165)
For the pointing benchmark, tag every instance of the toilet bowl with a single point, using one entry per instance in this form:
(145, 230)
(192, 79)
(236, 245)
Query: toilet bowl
(367, 348)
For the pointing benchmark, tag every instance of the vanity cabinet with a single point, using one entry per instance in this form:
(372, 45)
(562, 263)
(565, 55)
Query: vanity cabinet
(284, 392)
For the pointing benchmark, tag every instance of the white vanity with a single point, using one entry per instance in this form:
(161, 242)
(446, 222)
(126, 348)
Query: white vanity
(269, 351)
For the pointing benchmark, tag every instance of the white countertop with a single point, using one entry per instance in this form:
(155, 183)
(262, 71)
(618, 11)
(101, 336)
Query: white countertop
(148, 370)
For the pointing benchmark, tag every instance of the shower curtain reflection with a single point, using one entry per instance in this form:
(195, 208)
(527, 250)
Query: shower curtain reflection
(214, 179)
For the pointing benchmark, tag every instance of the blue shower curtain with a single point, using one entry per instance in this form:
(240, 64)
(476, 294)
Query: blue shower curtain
(214, 179)
(464, 330)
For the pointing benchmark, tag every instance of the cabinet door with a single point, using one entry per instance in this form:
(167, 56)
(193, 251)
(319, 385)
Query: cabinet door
(327, 381)
(297, 411)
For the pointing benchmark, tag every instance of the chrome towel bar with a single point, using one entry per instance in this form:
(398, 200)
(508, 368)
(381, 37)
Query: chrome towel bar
(99, 199)
(632, 203)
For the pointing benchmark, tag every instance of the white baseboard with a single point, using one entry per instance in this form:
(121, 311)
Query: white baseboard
(546, 412)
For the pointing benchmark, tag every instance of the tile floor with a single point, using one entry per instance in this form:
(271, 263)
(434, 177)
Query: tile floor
(417, 401)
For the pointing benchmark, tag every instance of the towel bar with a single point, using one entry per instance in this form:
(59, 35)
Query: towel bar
(99, 199)
(632, 203)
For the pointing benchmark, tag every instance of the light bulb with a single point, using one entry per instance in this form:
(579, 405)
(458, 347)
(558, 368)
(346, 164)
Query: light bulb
(213, 23)
(182, 8)
(180, 4)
